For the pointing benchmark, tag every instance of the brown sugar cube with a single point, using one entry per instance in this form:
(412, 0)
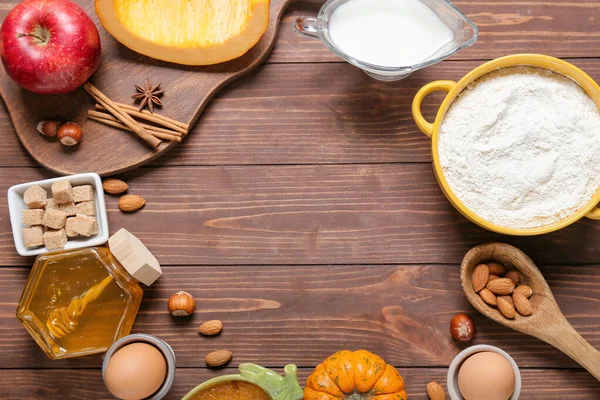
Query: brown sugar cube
(33, 237)
(35, 197)
(62, 191)
(95, 228)
(50, 203)
(83, 193)
(69, 227)
(85, 225)
(69, 208)
(87, 208)
(32, 217)
(55, 239)
(54, 219)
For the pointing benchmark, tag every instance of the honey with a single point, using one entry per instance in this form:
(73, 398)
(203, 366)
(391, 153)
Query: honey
(232, 390)
(79, 302)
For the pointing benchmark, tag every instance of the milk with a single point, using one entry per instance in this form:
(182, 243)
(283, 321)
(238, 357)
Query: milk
(390, 33)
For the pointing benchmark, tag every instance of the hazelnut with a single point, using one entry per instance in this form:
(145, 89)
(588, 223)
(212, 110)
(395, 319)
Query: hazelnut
(462, 327)
(69, 134)
(48, 127)
(181, 304)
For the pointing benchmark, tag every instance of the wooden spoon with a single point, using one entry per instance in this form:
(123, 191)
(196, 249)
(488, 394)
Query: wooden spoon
(547, 322)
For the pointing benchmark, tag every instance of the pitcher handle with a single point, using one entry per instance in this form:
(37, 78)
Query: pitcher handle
(307, 26)
(424, 126)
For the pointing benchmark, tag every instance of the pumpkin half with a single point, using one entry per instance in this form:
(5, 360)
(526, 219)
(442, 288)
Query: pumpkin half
(354, 375)
(190, 32)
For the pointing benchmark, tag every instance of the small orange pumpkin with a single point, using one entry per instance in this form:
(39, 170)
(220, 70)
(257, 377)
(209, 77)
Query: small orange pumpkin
(354, 375)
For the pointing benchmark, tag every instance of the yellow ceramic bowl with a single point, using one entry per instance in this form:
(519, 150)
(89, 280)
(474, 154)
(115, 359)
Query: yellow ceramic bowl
(454, 88)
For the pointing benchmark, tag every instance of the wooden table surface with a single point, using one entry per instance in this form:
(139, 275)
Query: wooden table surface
(304, 213)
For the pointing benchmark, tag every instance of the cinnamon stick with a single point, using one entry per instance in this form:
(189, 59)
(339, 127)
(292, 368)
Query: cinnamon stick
(146, 112)
(116, 124)
(155, 118)
(149, 128)
(121, 115)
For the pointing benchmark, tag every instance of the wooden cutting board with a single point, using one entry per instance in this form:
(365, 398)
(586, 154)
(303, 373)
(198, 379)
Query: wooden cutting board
(106, 150)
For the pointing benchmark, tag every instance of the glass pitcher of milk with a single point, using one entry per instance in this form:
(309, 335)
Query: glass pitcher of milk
(390, 39)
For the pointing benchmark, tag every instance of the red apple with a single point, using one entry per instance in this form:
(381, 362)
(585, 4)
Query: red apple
(49, 46)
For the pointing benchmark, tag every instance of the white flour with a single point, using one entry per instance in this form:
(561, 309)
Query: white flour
(521, 147)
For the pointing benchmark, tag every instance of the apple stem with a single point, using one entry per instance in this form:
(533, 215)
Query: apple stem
(33, 35)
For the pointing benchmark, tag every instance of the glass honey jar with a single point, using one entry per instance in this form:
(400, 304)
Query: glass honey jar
(80, 302)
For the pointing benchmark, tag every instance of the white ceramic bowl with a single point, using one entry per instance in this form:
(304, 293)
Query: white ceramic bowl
(16, 205)
(452, 380)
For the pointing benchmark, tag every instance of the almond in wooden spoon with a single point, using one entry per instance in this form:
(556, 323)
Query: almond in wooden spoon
(522, 305)
(501, 286)
(524, 290)
(496, 268)
(480, 277)
(509, 300)
(488, 297)
(506, 307)
(513, 276)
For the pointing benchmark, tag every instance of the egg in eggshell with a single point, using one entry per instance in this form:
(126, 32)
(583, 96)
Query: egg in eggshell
(135, 371)
(486, 376)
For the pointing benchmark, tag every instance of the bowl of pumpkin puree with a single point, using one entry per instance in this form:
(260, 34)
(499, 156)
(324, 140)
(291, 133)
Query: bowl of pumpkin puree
(253, 382)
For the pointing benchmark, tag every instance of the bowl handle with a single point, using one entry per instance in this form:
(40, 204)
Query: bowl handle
(424, 126)
(594, 214)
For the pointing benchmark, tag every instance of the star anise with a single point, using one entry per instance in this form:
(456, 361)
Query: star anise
(148, 96)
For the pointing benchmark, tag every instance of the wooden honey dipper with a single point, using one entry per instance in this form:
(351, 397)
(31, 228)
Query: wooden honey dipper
(63, 321)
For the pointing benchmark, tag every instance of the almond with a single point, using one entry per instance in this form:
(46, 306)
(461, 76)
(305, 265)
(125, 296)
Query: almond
(505, 307)
(501, 286)
(509, 300)
(131, 202)
(114, 186)
(525, 290)
(522, 305)
(218, 358)
(479, 277)
(496, 269)
(435, 391)
(488, 297)
(493, 277)
(513, 276)
(211, 328)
